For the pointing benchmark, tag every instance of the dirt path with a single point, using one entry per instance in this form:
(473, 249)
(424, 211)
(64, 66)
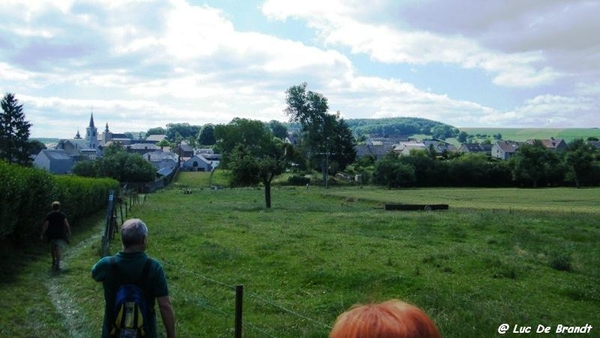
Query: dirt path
(73, 318)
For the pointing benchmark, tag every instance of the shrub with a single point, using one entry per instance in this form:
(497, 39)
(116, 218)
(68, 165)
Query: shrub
(28, 192)
(298, 180)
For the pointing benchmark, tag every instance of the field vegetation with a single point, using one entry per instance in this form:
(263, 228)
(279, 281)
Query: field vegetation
(524, 134)
(517, 256)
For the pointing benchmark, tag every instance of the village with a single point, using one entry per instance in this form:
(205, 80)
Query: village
(61, 158)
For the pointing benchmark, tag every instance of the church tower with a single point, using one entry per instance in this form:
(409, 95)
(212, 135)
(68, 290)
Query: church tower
(91, 134)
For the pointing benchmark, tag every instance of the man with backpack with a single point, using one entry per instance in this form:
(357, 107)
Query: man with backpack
(132, 282)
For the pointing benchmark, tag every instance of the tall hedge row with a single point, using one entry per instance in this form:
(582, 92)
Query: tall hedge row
(27, 194)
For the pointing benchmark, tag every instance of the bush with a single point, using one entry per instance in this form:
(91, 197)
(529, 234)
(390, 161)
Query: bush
(298, 180)
(28, 193)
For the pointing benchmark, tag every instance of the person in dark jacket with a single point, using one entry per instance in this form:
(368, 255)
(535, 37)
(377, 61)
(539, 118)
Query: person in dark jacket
(56, 228)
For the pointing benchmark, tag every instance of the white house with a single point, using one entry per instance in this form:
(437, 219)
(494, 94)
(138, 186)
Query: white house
(199, 163)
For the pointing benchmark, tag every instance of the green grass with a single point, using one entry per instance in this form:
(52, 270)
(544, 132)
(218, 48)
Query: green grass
(524, 134)
(517, 256)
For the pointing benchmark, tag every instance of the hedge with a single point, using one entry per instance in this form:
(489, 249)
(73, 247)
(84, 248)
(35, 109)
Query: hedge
(27, 194)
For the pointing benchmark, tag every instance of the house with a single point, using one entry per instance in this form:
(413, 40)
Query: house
(595, 144)
(77, 148)
(481, 148)
(109, 137)
(405, 148)
(197, 163)
(378, 151)
(556, 144)
(387, 140)
(439, 146)
(141, 148)
(162, 159)
(56, 161)
(156, 138)
(185, 150)
(504, 149)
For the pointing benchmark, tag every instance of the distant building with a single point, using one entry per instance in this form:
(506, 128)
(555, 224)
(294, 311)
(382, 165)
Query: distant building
(378, 151)
(478, 148)
(556, 144)
(439, 146)
(141, 148)
(156, 138)
(56, 161)
(405, 148)
(197, 163)
(504, 149)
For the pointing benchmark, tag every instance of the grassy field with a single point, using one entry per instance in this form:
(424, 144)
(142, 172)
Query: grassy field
(524, 134)
(513, 256)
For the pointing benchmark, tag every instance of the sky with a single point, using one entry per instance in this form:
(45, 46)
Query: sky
(138, 64)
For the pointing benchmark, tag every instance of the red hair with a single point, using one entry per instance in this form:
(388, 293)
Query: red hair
(390, 319)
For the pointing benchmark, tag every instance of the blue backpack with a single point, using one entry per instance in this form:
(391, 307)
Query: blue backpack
(131, 312)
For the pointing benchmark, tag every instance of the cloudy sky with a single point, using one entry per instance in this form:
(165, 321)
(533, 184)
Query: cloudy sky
(143, 64)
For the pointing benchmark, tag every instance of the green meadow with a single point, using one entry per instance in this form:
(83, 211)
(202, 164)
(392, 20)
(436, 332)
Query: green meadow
(524, 257)
(524, 134)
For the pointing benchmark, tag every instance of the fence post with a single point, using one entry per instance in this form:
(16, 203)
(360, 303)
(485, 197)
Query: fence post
(239, 297)
(109, 212)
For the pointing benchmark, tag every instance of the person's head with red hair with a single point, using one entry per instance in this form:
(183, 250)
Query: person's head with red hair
(390, 319)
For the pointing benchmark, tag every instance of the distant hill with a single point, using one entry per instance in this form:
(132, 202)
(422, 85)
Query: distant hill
(393, 126)
(46, 140)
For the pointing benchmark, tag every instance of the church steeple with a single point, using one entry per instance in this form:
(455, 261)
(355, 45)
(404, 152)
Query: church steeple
(91, 134)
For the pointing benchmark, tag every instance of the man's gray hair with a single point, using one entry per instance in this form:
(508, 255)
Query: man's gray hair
(133, 232)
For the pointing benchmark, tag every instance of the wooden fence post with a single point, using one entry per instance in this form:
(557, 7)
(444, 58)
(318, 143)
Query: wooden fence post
(239, 297)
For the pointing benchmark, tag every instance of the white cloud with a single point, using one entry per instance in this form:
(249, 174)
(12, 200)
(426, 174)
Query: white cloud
(550, 111)
(390, 44)
(156, 62)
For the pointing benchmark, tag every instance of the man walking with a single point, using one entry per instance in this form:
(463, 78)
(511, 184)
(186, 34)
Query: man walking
(57, 231)
(133, 264)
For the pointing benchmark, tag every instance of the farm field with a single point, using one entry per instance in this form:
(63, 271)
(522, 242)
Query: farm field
(523, 134)
(518, 256)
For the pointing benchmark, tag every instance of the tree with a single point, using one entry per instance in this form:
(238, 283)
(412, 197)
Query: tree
(389, 171)
(118, 164)
(252, 153)
(342, 147)
(14, 132)
(443, 131)
(86, 168)
(278, 129)
(533, 162)
(462, 137)
(35, 146)
(251, 133)
(323, 136)
(207, 135)
(156, 131)
(181, 131)
(580, 160)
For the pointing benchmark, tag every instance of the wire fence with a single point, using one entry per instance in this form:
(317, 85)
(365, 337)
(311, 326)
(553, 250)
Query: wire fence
(218, 298)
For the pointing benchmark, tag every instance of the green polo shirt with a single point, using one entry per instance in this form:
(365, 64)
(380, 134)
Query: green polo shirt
(130, 266)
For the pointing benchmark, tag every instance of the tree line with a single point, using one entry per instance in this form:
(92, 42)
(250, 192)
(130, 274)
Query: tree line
(533, 165)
